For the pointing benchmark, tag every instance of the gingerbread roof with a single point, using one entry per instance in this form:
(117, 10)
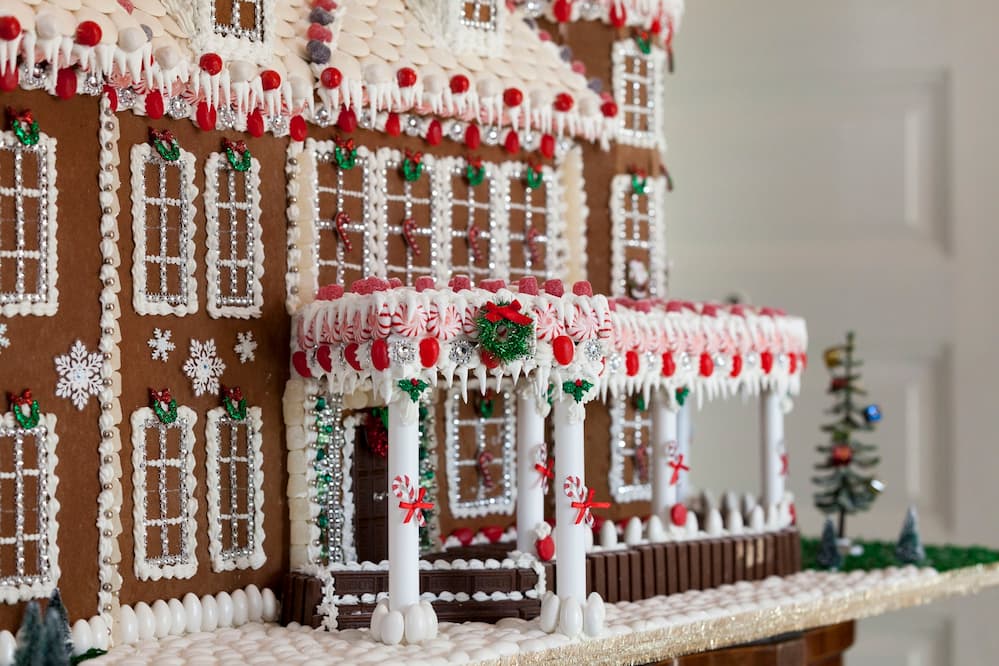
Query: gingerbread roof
(384, 60)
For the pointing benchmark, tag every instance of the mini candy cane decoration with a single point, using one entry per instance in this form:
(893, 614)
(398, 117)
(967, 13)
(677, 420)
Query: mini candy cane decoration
(409, 234)
(473, 244)
(412, 502)
(532, 245)
(545, 467)
(582, 499)
(677, 465)
(341, 221)
(642, 462)
(482, 464)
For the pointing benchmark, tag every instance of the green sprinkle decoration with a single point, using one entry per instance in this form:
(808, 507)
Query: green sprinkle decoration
(504, 331)
(577, 389)
(414, 388)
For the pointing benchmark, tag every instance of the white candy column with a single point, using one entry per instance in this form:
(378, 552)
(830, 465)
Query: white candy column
(403, 538)
(684, 432)
(663, 435)
(570, 544)
(771, 445)
(530, 489)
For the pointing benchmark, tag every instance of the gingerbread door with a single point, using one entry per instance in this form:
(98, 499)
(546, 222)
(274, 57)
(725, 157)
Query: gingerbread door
(370, 500)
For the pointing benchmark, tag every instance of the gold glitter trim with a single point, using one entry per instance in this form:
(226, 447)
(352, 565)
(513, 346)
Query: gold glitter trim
(701, 636)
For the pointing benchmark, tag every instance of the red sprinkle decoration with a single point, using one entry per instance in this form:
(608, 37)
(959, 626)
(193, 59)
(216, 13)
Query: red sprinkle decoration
(380, 354)
(459, 84)
(563, 349)
(255, 123)
(347, 120)
(406, 77)
(89, 33)
(609, 109)
(331, 77)
(206, 116)
(297, 128)
(393, 126)
(211, 63)
(270, 80)
(154, 105)
(547, 147)
(631, 363)
(430, 351)
(473, 138)
(513, 97)
(669, 365)
(563, 102)
(435, 133)
(707, 365)
(10, 28)
(66, 83)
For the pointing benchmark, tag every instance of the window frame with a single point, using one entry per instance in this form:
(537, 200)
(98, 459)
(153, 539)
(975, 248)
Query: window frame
(495, 234)
(624, 220)
(621, 441)
(623, 52)
(554, 231)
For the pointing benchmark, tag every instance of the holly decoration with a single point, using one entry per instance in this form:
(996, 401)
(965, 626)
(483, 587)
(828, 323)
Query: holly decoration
(412, 166)
(533, 177)
(165, 144)
(376, 431)
(504, 331)
(485, 405)
(639, 182)
(414, 388)
(577, 389)
(24, 126)
(234, 403)
(846, 482)
(644, 41)
(164, 405)
(238, 154)
(639, 403)
(681, 395)
(475, 172)
(345, 154)
(25, 409)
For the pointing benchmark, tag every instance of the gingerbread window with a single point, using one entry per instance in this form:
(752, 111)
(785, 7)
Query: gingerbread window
(28, 258)
(638, 259)
(472, 247)
(631, 449)
(638, 77)
(239, 18)
(235, 490)
(235, 259)
(163, 262)
(480, 437)
(410, 245)
(480, 14)
(534, 223)
(29, 554)
(164, 500)
(344, 232)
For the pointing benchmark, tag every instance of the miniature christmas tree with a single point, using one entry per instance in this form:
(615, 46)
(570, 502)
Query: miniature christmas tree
(829, 556)
(846, 481)
(30, 637)
(57, 608)
(56, 651)
(909, 549)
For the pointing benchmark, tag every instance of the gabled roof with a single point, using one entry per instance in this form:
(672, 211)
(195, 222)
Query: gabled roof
(155, 45)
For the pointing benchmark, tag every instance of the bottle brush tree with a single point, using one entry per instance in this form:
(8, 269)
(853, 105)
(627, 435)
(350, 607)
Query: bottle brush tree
(909, 549)
(829, 556)
(845, 479)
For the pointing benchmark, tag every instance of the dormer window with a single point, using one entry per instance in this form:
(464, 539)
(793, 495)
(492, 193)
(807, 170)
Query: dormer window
(239, 18)
(638, 90)
(479, 14)
(466, 26)
(235, 29)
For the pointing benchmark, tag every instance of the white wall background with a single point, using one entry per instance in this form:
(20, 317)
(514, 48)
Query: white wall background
(839, 159)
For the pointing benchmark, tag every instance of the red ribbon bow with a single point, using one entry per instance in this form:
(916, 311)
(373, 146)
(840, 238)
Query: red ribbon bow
(584, 507)
(161, 396)
(25, 116)
(235, 146)
(161, 135)
(511, 312)
(547, 472)
(416, 156)
(345, 144)
(20, 400)
(235, 393)
(474, 161)
(677, 465)
(415, 508)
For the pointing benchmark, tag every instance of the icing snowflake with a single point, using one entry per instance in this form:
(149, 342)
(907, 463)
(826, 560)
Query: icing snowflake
(245, 347)
(204, 367)
(4, 340)
(161, 345)
(79, 375)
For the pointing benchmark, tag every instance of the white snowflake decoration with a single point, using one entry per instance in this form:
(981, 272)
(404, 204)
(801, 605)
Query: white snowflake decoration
(245, 347)
(79, 375)
(161, 345)
(204, 367)
(4, 340)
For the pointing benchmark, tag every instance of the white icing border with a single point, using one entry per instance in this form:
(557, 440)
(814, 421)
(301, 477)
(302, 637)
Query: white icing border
(655, 60)
(13, 594)
(142, 154)
(145, 570)
(47, 164)
(215, 166)
(254, 426)
(656, 192)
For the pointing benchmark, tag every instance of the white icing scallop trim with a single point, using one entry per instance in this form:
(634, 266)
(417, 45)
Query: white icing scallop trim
(216, 165)
(142, 155)
(144, 569)
(109, 499)
(10, 594)
(655, 137)
(254, 426)
(48, 304)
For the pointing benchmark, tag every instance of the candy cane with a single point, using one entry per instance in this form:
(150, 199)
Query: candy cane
(411, 499)
(582, 499)
(341, 221)
(532, 244)
(473, 243)
(409, 234)
(482, 463)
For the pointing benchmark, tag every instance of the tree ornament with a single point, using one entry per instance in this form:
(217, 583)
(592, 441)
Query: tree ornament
(676, 464)
(909, 549)
(482, 462)
(345, 153)
(237, 154)
(270, 80)
(412, 501)
(533, 176)
(164, 405)
(234, 403)
(475, 171)
(211, 63)
(872, 414)
(331, 77)
(24, 126)
(412, 166)
(582, 500)
(577, 389)
(504, 331)
(829, 556)
(165, 144)
(25, 409)
(414, 388)
(206, 116)
(681, 395)
(833, 357)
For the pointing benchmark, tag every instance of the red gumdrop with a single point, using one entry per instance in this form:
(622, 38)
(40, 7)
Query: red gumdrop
(736, 366)
(10, 28)
(154, 105)
(319, 32)
(270, 80)
(435, 133)
(767, 362)
(707, 365)
(618, 16)
(563, 102)
(406, 77)
(562, 10)
(545, 548)
(211, 63)
(792, 360)
(489, 359)
(631, 363)
(464, 535)
(393, 127)
(324, 358)
(669, 365)
(9, 78)
(66, 83)
(331, 77)
(112, 97)
(347, 120)
(255, 123)
(513, 97)
(547, 147)
(511, 143)
(563, 349)
(301, 363)
(459, 84)
(298, 129)
(473, 138)
(380, 354)
(493, 532)
(350, 355)
(88, 33)
(206, 116)
(678, 515)
(430, 351)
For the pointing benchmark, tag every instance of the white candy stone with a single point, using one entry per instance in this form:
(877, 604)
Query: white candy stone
(47, 26)
(549, 611)
(692, 527)
(131, 39)
(381, 610)
(192, 611)
(240, 609)
(713, 525)
(570, 620)
(588, 539)
(224, 602)
(749, 503)
(593, 615)
(416, 624)
(734, 523)
(82, 637)
(161, 611)
(270, 606)
(633, 531)
(730, 502)
(178, 617)
(99, 630)
(757, 522)
(241, 71)
(126, 629)
(254, 603)
(608, 534)
(654, 528)
(146, 621)
(431, 616)
(209, 613)
(167, 57)
(7, 647)
(392, 627)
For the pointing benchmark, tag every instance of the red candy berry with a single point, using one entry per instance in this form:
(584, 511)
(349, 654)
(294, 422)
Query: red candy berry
(511, 143)
(347, 121)
(298, 129)
(154, 105)
(255, 123)
(331, 77)
(473, 138)
(430, 351)
(767, 361)
(609, 109)
(563, 349)
(678, 515)
(669, 365)
(393, 126)
(631, 363)
(380, 354)
(66, 83)
(406, 77)
(270, 80)
(10, 28)
(211, 63)
(459, 84)
(736, 366)
(435, 133)
(547, 147)
(88, 33)
(562, 10)
(563, 102)
(513, 97)
(206, 116)
(707, 365)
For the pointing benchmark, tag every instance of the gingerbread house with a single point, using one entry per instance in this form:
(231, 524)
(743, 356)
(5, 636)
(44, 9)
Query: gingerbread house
(292, 292)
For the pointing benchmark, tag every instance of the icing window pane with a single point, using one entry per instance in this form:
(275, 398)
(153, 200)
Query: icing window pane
(532, 214)
(480, 452)
(472, 224)
(638, 91)
(410, 247)
(631, 450)
(479, 14)
(27, 226)
(163, 495)
(28, 551)
(235, 248)
(343, 235)
(241, 18)
(637, 258)
(235, 490)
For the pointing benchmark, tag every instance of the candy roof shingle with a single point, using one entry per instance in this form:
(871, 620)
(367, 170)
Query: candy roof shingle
(155, 45)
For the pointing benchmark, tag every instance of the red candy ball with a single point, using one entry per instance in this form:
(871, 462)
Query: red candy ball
(10, 28)
(270, 80)
(609, 109)
(406, 77)
(459, 84)
(89, 33)
(678, 515)
(563, 102)
(331, 77)
(563, 349)
(211, 63)
(562, 10)
(513, 97)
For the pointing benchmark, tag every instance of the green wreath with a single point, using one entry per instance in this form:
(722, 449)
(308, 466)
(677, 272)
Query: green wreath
(26, 131)
(346, 157)
(240, 164)
(504, 331)
(475, 175)
(166, 145)
(412, 169)
(533, 178)
(168, 415)
(34, 415)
